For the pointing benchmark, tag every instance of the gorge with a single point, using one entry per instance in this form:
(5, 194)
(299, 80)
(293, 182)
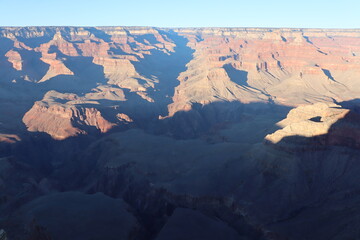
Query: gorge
(179, 133)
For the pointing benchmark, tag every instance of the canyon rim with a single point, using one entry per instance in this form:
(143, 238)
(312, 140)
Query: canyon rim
(179, 133)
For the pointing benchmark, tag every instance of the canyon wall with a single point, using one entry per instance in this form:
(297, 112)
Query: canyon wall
(156, 133)
(154, 73)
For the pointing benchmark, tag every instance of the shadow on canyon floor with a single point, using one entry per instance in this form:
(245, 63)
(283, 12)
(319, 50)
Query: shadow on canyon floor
(34, 42)
(325, 169)
(58, 161)
(164, 69)
(6, 69)
(259, 118)
(238, 76)
(152, 207)
(87, 75)
(33, 69)
(345, 132)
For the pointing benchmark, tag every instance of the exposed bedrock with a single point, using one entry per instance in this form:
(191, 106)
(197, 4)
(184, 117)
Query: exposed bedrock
(155, 133)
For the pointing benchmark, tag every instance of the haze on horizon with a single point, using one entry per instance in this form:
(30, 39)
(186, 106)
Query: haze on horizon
(185, 13)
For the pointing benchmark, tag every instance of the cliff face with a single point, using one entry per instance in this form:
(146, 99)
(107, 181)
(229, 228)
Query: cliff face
(62, 116)
(317, 126)
(249, 133)
(285, 66)
(169, 70)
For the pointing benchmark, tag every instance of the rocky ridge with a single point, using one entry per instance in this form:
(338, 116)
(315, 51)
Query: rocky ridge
(325, 124)
(213, 133)
(204, 65)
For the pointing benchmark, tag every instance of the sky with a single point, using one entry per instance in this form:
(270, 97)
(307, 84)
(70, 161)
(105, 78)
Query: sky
(185, 13)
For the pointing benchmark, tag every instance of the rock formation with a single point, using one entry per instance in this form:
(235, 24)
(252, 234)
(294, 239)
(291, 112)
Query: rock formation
(63, 120)
(325, 124)
(9, 138)
(177, 68)
(208, 133)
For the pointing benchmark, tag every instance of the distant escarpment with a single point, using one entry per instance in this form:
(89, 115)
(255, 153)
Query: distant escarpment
(197, 133)
(154, 73)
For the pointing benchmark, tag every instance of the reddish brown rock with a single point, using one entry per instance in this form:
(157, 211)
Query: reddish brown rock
(124, 118)
(57, 67)
(62, 120)
(290, 66)
(15, 58)
(121, 72)
(9, 138)
(65, 47)
(246, 65)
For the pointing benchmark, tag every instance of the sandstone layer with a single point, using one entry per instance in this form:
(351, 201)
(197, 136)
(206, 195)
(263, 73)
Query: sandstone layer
(62, 116)
(166, 71)
(207, 133)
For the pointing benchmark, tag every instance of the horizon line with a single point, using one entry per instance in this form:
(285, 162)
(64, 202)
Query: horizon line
(144, 26)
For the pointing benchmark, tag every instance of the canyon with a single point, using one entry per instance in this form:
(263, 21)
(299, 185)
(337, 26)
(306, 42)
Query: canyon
(179, 133)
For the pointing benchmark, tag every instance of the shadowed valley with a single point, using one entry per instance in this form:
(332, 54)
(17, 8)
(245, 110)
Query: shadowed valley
(194, 133)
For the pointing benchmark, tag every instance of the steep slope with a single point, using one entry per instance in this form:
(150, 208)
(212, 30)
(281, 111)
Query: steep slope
(286, 66)
(62, 115)
(169, 70)
(172, 129)
(262, 190)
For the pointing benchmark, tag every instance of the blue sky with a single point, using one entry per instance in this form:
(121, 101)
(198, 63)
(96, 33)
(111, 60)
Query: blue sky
(185, 13)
